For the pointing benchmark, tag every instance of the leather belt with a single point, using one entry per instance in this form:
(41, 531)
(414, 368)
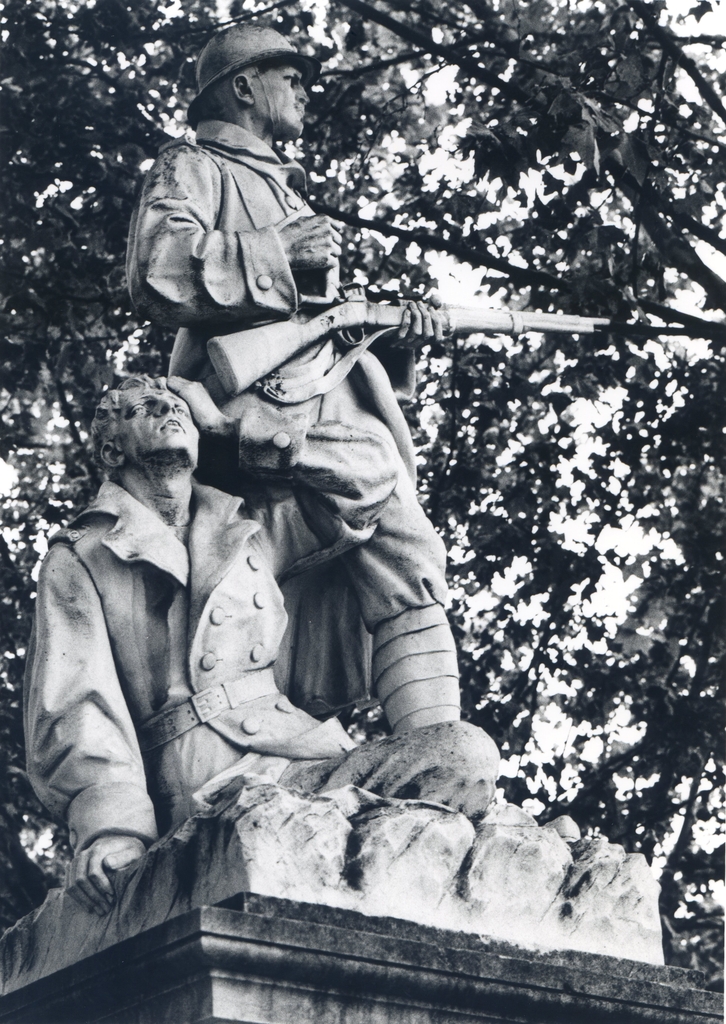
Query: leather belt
(203, 706)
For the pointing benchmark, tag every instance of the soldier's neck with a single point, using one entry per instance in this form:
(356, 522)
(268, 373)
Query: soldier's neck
(167, 495)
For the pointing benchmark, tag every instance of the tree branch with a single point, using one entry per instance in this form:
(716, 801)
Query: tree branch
(67, 411)
(520, 276)
(681, 254)
(701, 328)
(470, 65)
(684, 836)
(675, 248)
(669, 44)
(377, 65)
(688, 223)
(681, 124)
(93, 69)
(719, 41)
(69, 414)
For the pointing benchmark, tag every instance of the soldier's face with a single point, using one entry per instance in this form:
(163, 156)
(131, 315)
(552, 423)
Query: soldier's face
(155, 425)
(281, 89)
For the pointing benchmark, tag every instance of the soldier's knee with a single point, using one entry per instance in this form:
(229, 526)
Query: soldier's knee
(474, 746)
(471, 757)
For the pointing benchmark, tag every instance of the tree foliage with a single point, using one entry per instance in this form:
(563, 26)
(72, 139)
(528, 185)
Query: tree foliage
(539, 155)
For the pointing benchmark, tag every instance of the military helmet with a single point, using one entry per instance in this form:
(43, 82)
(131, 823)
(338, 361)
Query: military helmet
(241, 46)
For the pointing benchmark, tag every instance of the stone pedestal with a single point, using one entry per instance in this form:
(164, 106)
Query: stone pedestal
(262, 960)
(356, 910)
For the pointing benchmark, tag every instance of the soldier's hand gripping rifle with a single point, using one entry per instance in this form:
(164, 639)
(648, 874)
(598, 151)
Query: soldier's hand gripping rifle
(244, 357)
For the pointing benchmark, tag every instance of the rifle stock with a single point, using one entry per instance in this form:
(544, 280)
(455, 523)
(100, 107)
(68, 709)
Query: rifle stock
(243, 357)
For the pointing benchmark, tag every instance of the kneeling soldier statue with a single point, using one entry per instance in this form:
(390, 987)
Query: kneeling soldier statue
(150, 669)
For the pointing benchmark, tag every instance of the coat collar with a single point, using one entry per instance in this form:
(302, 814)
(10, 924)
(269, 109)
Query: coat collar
(138, 535)
(216, 534)
(243, 146)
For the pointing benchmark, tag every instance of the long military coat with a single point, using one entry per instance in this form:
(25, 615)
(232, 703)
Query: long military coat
(129, 622)
(205, 257)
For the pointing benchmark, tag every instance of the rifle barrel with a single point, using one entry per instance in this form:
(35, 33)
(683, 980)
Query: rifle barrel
(471, 321)
(465, 320)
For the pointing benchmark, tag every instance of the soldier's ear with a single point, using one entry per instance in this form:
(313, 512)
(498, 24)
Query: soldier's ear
(112, 456)
(242, 88)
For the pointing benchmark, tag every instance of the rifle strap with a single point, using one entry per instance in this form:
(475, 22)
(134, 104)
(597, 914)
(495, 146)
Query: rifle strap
(288, 393)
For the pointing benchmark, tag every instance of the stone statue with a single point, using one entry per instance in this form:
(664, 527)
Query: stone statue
(198, 625)
(223, 240)
(150, 669)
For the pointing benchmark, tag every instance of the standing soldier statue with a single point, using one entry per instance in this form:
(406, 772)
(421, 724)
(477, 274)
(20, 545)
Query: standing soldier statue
(223, 241)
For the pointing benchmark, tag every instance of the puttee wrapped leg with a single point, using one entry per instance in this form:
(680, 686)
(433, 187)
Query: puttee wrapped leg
(415, 671)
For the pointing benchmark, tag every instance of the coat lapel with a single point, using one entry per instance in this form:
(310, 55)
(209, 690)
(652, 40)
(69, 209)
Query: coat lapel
(216, 538)
(138, 534)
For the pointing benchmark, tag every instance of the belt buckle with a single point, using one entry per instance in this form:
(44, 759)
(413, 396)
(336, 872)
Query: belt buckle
(210, 702)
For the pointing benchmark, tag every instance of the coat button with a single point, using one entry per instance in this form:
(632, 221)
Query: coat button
(208, 662)
(256, 653)
(284, 705)
(74, 535)
(217, 616)
(264, 282)
(259, 601)
(253, 562)
(282, 440)
(251, 726)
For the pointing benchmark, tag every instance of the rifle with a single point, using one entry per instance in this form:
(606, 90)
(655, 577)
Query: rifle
(244, 357)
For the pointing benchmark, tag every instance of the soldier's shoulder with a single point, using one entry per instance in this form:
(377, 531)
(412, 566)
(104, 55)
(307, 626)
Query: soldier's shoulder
(184, 150)
(177, 160)
(182, 143)
(86, 530)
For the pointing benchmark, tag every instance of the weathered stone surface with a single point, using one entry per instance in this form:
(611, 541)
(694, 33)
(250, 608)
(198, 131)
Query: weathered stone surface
(277, 962)
(513, 876)
(509, 814)
(292, 846)
(565, 827)
(564, 893)
(609, 899)
(405, 861)
(351, 849)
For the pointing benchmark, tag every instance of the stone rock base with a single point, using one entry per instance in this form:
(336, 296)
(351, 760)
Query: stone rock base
(507, 878)
(261, 960)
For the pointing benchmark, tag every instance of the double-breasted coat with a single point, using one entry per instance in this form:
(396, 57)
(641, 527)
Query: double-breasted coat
(130, 623)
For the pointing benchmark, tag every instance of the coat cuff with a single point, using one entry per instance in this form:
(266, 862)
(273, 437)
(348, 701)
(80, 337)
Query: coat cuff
(270, 282)
(111, 809)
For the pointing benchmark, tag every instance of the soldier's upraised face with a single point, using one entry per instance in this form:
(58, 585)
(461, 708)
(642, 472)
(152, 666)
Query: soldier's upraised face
(155, 425)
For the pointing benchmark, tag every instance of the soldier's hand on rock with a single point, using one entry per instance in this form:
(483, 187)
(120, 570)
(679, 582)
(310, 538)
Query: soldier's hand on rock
(88, 878)
(311, 243)
(422, 323)
(208, 418)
